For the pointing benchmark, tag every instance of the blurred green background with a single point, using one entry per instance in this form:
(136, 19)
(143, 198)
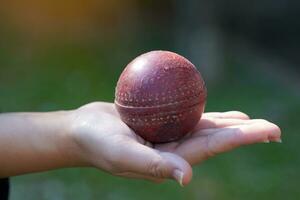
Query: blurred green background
(60, 55)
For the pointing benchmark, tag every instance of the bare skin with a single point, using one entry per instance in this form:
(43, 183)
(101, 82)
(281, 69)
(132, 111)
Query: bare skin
(95, 136)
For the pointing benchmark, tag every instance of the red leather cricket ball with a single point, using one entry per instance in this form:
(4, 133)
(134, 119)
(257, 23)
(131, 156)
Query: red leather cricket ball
(161, 96)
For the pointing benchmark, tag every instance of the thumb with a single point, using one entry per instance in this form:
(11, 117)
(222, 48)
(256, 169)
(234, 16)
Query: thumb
(140, 159)
(176, 167)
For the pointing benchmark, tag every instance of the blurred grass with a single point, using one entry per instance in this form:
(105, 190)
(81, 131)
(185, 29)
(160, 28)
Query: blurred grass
(66, 76)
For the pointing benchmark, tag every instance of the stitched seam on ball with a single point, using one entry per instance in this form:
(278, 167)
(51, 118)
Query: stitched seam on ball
(195, 95)
(161, 105)
(163, 118)
(190, 107)
(164, 105)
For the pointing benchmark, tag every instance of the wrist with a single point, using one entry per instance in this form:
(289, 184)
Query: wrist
(69, 147)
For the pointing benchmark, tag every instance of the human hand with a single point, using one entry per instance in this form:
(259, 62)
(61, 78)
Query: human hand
(105, 142)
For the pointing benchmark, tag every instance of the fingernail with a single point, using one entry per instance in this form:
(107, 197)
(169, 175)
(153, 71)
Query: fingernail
(178, 176)
(266, 141)
(278, 140)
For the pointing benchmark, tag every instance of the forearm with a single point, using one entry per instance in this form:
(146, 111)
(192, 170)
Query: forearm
(31, 142)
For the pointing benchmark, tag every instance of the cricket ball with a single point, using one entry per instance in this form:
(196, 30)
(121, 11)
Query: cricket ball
(161, 96)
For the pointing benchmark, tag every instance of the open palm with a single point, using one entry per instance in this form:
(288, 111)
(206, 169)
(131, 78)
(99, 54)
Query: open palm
(107, 143)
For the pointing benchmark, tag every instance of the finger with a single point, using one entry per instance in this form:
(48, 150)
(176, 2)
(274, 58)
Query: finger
(208, 123)
(235, 136)
(198, 149)
(205, 127)
(211, 126)
(229, 114)
(140, 159)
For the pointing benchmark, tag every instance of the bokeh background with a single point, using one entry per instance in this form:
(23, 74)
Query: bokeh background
(62, 54)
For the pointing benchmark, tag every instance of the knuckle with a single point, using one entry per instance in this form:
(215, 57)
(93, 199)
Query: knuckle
(116, 165)
(210, 151)
(155, 168)
(114, 162)
(114, 169)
